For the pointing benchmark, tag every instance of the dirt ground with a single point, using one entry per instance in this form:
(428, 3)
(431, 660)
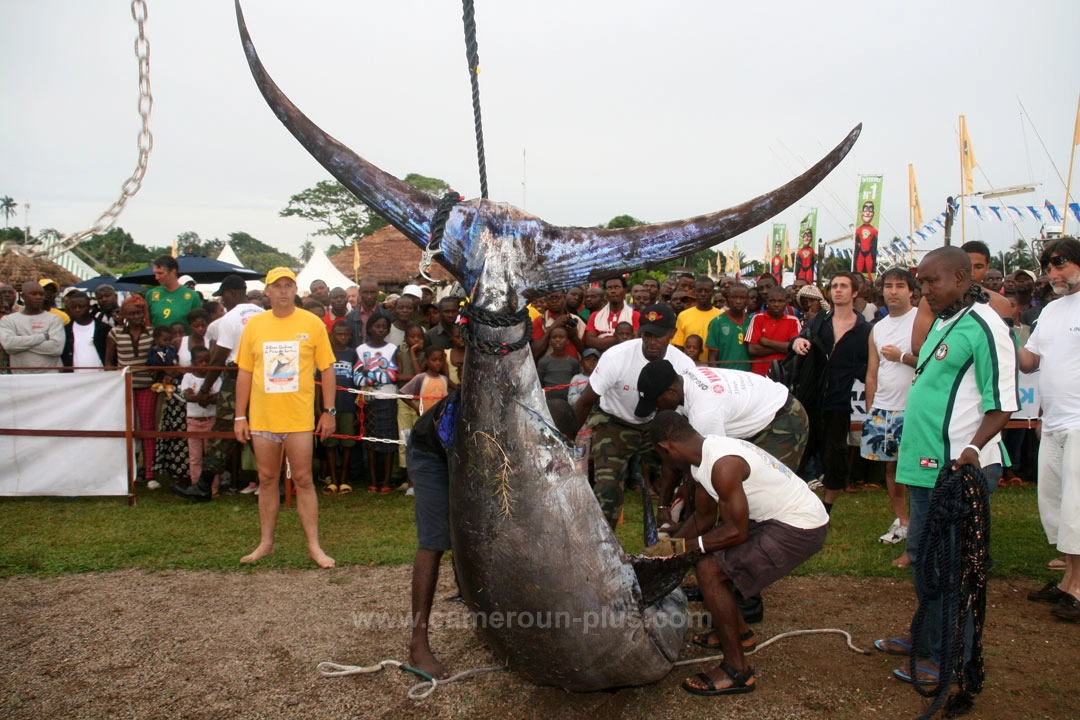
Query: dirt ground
(246, 645)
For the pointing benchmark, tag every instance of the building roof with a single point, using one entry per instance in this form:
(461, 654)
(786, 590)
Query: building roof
(389, 257)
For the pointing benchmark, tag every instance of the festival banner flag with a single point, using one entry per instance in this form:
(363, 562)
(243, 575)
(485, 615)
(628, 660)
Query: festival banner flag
(967, 157)
(776, 260)
(996, 210)
(1074, 208)
(1034, 212)
(869, 214)
(913, 196)
(1054, 214)
(806, 255)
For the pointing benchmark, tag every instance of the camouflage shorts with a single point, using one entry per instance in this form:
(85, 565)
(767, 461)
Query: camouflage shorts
(785, 437)
(613, 444)
(219, 450)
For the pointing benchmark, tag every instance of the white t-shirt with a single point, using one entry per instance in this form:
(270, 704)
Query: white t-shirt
(84, 352)
(730, 403)
(1056, 340)
(227, 329)
(893, 378)
(773, 492)
(194, 409)
(616, 375)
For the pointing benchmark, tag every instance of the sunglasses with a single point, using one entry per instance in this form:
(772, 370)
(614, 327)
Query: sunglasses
(1057, 261)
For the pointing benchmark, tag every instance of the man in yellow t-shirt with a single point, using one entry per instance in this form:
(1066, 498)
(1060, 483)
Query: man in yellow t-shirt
(695, 320)
(279, 352)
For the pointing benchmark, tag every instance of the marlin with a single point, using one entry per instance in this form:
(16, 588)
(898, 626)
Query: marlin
(552, 590)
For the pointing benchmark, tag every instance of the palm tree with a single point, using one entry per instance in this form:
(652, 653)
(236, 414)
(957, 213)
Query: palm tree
(7, 206)
(307, 249)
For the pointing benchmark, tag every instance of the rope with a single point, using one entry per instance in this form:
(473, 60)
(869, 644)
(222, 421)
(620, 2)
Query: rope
(469, 311)
(472, 55)
(438, 226)
(956, 552)
(781, 636)
(420, 690)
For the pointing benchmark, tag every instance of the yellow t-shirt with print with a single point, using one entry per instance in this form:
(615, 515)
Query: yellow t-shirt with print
(282, 355)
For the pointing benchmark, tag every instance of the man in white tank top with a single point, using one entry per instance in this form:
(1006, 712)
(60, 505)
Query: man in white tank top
(889, 371)
(754, 522)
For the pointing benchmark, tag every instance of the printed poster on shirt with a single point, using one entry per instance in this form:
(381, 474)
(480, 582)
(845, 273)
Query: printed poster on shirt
(281, 366)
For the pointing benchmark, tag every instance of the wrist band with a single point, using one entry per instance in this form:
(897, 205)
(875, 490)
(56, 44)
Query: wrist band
(700, 544)
(663, 507)
(902, 355)
(976, 448)
(240, 417)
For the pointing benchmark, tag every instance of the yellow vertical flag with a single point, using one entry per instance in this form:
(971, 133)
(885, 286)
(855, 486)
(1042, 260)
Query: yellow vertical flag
(967, 157)
(174, 247)
(788, 260)
(355, 261)
(913, 196)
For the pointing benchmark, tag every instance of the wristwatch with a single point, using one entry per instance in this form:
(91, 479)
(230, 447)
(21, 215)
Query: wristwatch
(332, 411)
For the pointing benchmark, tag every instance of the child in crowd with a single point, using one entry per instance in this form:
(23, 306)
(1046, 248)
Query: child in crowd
(410, 363)
(170, 454)
(345, 359)
(376, 370)
(180, 332)
(455, 356)
(199, 418)
(557, 368)
(624, 331)
(431, 385)
(692, 346)
(589, 358)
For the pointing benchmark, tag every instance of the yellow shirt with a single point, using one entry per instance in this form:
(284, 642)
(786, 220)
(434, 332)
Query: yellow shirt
(282, 355)
(692, 321)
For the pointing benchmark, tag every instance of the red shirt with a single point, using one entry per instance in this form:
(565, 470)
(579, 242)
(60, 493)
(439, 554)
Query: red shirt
(762, 325)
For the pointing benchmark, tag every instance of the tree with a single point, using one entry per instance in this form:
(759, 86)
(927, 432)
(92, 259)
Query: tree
(257, 255)
(1019, 257)
(307, 249)
(189, 243)
(432, 186)
(7, 206)
(117, 250)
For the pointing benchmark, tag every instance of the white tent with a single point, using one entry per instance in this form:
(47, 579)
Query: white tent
(319, 267)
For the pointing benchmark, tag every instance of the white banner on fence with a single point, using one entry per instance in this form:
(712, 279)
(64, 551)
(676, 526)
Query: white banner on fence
(67, 466)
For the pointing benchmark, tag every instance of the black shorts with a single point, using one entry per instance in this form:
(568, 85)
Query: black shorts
(431, 485)
(771, 551)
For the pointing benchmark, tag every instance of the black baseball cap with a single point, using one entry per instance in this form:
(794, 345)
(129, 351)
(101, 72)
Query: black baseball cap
(231, 282)
(653, 381)
(656, 319)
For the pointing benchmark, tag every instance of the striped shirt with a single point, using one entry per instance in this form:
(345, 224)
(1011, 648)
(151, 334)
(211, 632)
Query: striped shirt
(127, 354)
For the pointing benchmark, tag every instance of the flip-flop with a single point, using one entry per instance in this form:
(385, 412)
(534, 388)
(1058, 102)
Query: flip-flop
(882, 646)
(329, 489)
(923, 676)
(749, 642)
(372, 489)
(1057, 564)
(742, 683)
(344, 489)
(386, 491)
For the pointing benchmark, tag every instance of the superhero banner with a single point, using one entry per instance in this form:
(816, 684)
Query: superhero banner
(806, 255)
(866, 234)
(776, 259)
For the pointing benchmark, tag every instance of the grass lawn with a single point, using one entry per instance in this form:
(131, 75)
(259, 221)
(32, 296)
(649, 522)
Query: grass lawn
(55, 536)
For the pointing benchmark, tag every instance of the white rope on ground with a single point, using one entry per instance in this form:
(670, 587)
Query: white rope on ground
(781, 636)
(419, 691)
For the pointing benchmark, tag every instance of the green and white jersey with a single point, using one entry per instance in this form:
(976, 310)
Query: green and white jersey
(969, 374)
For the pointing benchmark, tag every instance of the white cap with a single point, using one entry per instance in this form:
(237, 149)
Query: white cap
(185, 279)
(413, 291)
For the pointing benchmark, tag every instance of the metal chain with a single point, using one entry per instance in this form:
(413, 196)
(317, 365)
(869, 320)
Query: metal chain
(133, 184)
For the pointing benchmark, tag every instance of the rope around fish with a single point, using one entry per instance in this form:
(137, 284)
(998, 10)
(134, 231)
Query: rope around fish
(429, 684)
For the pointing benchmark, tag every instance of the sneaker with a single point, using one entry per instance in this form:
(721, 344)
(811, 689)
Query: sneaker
(256, 493)
(1067, 608)
(815, 484)
(251, 488)
(890, 535)
(411, 492)
(1049, 594)
(153, 484)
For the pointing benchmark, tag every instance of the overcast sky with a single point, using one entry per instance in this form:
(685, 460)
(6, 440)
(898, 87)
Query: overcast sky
(592, 108)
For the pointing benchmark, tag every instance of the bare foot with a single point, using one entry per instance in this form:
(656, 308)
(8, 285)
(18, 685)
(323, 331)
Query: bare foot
(422, 658)
(258, 554)
(321, 559)
(902, 562)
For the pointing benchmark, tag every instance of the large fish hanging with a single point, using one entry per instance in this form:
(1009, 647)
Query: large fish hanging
(552, 589)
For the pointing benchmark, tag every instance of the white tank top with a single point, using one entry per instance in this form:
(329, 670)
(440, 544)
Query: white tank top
(893, 378)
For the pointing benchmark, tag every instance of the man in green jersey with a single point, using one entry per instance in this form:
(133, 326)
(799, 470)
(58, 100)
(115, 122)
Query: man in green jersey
(171, 302)
(963, 394)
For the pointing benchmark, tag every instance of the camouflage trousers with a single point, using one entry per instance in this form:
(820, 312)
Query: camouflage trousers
(613, 444)
(218, 456)
(785, 437)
